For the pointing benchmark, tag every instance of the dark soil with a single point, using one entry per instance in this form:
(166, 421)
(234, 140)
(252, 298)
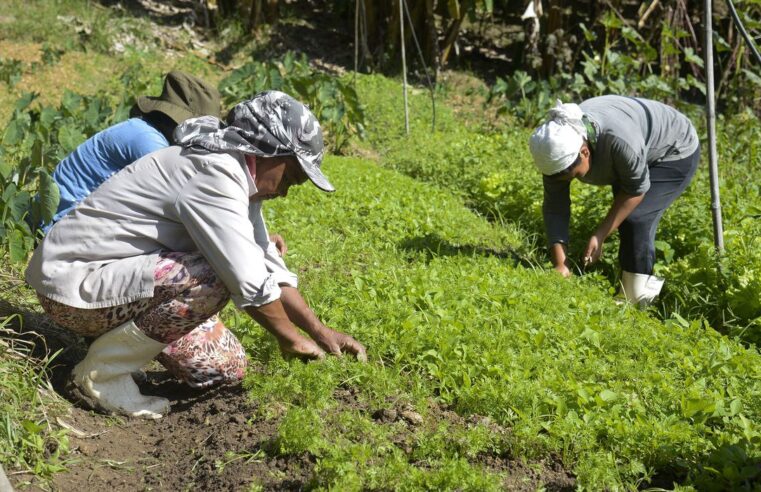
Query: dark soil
(210, 441)
(215, 439)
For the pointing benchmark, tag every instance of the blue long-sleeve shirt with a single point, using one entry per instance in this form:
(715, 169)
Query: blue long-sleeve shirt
(101, 156)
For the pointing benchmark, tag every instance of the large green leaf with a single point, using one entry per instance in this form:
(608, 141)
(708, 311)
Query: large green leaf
(20, 205)
(70, 137)
(14, 133)
(48, 115)
(71, 102)
(25, 100)
(16, 246)
(6, 169)
(9, 192)
(50, 195)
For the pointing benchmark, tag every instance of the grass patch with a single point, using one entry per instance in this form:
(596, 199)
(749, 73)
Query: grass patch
(29, 439)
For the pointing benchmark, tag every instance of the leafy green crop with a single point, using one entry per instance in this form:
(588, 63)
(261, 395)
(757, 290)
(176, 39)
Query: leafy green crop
(491, 168)
(333, 100)
(35, 139)
(452, 320)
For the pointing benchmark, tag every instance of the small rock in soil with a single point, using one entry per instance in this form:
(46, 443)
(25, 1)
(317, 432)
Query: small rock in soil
(386, 415)
(413, 418)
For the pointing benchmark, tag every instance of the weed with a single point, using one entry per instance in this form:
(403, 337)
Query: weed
(28, 438)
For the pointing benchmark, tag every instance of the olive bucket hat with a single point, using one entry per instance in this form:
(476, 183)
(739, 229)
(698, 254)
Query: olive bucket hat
(183, 96)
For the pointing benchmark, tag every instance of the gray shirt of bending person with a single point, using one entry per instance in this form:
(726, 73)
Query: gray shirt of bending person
(632, 135)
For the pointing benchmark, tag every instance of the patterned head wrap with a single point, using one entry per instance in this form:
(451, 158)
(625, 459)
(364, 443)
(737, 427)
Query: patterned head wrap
(555, 145)
(271, 124)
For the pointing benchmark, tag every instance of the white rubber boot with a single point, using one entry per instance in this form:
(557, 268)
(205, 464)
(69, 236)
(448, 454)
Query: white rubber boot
(640, 289)
(104, 376)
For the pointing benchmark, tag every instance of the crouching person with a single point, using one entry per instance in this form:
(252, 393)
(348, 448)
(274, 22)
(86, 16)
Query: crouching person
(155, 252)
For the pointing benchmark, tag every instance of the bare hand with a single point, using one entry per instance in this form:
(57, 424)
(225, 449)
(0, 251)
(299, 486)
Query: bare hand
(280, 245)
(303, 348)
(337, 343)
(563, 270)
(594, 250)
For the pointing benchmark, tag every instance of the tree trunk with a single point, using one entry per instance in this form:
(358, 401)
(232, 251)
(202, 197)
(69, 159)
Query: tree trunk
(553, 26)
(453, 31)
(431, 44)
(254, 15)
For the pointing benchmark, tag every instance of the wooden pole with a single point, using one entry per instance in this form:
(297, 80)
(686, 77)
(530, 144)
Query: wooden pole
(404, 70)
(356, 39)
(713, 169)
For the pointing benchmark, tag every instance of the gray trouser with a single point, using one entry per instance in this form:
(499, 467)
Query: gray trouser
(637, 233)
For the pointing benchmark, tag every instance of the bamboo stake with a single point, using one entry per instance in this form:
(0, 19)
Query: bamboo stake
(647, 13)
(713, 170)
(356, 40)
(404, 70)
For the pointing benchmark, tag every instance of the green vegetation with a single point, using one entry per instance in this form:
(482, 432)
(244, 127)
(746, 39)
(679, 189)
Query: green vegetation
(472, 160)
(332, 100)
(451, 322)
(28, 439)
(432, 255)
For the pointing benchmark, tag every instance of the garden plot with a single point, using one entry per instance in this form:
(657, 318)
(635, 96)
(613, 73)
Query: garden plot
(483, 371)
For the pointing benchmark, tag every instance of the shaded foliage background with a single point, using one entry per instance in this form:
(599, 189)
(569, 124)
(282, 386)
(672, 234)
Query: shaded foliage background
(583, 47)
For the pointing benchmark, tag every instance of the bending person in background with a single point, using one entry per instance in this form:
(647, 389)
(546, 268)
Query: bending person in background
(645, 150)
(163, 245)
(210, 354)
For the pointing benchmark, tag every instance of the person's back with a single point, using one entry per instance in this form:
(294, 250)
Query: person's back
(652, 129)
(150, 128)
(101, 156)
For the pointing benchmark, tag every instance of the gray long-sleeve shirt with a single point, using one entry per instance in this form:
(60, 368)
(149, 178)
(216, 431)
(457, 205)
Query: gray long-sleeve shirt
(632, 134)
(104, 252)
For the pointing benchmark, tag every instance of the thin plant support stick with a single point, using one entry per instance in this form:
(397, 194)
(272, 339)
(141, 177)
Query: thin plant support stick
(713, 169)
(356, 41)
(404, 69)
(743, 31)
(425, 66)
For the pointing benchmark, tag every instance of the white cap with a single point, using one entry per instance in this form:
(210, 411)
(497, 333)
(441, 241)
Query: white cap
(555, 145)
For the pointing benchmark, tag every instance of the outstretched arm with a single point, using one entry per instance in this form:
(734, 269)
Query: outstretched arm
(623, 205)
(331, 341)
(273, 318)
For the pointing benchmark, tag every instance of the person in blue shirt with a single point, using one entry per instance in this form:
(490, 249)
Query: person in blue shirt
(210, 354)
(152, 121)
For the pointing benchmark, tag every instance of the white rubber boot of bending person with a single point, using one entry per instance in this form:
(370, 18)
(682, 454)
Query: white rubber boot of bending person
(640, 289)
(104, 376)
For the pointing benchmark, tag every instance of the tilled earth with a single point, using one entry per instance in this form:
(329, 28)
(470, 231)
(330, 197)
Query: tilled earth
(209, 441)
(215, 439)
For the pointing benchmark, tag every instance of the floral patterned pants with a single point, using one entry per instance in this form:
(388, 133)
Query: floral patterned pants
(182, 313)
